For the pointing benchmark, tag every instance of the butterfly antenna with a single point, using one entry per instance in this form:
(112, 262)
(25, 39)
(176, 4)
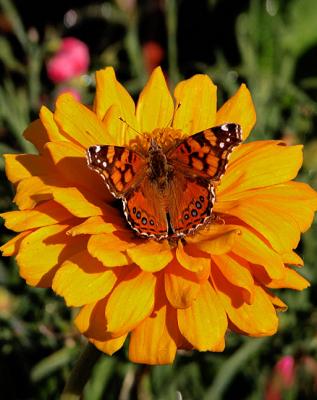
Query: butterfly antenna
(170, 123)
(131, 127)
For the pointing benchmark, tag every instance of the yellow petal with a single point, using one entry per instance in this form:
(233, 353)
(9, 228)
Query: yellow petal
(256, 319)
(83, 280)
(71, 163)
(239, 109)
(197, 97)
(109, 249)
(93, 226)
(33, 190)
(204, 323)
(155, 104)
(131, 301)
(253, 249)
(151, 341)
(110, 92)
(236, 274)
(79, 203)
(267, 217)
(181, 286)
(259, 164)
(192, 263)
(54, 134)
(78, 123)
(151, 256)
(43, 250)
(12, 247)
(36, 134)
(292, 280)
(46, 213)
(22, 166)
(218, 239)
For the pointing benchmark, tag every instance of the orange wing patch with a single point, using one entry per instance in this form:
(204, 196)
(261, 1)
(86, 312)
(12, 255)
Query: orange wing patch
(117, 165)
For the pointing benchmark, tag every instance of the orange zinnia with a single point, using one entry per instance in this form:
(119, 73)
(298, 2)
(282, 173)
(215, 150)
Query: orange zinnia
(167, 296)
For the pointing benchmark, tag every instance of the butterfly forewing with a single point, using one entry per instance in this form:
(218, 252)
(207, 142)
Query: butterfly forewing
(206, 153)
(119, 166)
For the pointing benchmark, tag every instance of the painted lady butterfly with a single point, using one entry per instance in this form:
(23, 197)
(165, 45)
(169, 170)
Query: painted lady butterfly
(168, 192)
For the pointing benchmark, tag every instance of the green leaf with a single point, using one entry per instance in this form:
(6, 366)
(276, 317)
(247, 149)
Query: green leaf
(52, 363)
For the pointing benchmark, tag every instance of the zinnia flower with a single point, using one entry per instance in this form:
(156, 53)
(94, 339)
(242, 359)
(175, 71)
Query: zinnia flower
(165, 295)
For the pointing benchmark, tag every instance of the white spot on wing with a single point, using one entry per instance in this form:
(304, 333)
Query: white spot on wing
(221, 145)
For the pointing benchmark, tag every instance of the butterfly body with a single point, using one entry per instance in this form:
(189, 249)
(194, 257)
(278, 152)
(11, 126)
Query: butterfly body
(167, 191)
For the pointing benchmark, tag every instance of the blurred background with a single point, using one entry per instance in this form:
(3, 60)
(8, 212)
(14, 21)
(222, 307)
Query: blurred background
(50, 47)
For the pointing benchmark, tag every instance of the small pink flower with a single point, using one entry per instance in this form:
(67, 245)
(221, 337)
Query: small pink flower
(285, 368)
(71, 60)
(153, 54)
(283, 378)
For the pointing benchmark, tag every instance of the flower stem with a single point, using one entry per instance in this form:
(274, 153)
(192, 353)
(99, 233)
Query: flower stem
(81, 373)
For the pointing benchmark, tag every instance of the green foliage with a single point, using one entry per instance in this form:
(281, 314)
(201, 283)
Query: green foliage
(38, 343)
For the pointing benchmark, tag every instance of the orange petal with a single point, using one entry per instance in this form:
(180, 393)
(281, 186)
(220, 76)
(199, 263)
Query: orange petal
(155, 104)
(131, 301)
(92, 226)
(254, 165)
(71, 163)
(151, 341)
(151, 256)
(204, 323)
(46, 213)
(197, 97)
(91, 322)
(256, 319)
(292, 258)
(194, 264)
(253, 249)
(236, 274)
(109, 249)
(181, 286)
(276, 301)
(291, 280)
(83, 280)
(12, 247)
(239, 109)
(22, 166)
(78, 123)
(111, 345)
(43, 250)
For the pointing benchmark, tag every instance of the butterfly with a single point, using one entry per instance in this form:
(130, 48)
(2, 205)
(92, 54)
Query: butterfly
(167, 192)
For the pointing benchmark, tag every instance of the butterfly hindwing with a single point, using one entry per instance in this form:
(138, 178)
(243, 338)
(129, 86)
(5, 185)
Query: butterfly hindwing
(206, 153)
(190, 203)
(117, 165)
(144, 210)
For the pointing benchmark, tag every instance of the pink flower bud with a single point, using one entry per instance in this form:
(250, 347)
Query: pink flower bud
(71, 60)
